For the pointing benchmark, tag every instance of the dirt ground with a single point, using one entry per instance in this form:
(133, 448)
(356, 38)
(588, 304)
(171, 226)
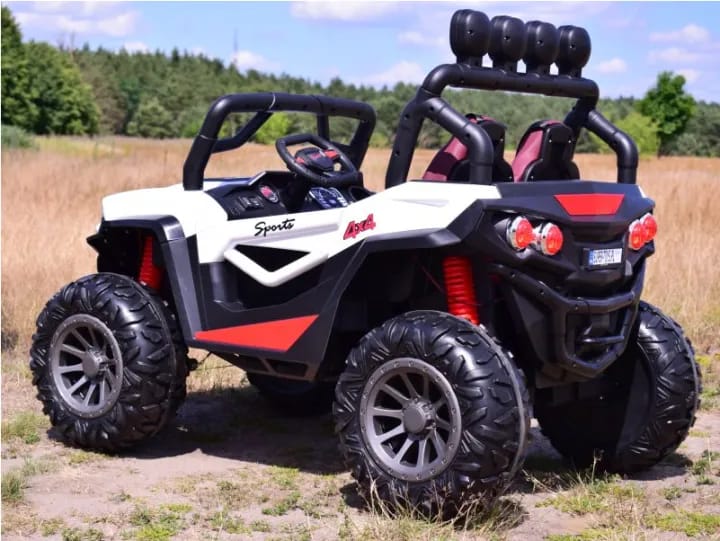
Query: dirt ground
(231, 467)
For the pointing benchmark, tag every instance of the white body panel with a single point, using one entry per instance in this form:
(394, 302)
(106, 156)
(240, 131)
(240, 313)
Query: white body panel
(409, 207)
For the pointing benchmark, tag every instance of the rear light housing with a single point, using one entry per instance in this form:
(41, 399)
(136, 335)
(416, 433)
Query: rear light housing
(650, 225)
(519, 233)
(548, 238)
(642, 231)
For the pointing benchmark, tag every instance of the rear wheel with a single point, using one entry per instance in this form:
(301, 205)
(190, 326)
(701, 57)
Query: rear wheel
(647, 407)
(429, 410)
(108, 362)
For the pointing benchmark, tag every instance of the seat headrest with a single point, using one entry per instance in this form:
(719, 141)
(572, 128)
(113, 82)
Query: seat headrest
(545, 153)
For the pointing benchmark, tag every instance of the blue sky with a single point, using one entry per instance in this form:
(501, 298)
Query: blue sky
(378, 43)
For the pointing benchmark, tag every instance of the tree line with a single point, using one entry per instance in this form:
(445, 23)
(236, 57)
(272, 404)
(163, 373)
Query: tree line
(49, 90)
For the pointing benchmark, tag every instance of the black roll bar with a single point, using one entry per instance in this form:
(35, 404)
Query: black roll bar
(265, 104)
(472, 35)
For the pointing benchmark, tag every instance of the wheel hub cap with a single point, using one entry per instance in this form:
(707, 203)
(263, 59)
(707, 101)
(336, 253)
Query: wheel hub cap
(410, 419)
(418, 417)
(86, 365)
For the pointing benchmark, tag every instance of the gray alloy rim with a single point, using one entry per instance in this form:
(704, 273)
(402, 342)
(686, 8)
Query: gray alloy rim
(410, 419)
(86, 365)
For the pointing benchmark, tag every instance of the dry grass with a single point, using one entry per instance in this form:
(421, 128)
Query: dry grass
(51, 203)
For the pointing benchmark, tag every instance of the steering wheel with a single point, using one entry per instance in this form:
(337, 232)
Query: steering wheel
(317, 163)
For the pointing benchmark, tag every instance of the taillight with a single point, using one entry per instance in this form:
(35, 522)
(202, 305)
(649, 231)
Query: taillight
(636, 239)
(520, 233)
(650, 226)
(642, 231)
(548, 238)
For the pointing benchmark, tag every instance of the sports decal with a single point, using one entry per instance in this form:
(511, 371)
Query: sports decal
(354, 228)
(262, 228)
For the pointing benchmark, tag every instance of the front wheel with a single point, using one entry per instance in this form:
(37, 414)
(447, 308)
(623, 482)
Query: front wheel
(429, 410)
(644, 408)
(108, 362)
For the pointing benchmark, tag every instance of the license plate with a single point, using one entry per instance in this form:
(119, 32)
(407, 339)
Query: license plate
(604, 257)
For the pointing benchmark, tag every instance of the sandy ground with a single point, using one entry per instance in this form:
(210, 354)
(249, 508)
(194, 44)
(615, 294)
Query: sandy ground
(231, 467)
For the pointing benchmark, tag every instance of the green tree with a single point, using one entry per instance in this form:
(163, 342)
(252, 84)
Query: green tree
(18, 108)
(65, 104)
(151, 120)
(669, 106)
(643, 130)
(278, 125)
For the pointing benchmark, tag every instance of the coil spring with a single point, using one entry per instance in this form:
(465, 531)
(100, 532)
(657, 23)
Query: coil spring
(149, 273)
(460, 289)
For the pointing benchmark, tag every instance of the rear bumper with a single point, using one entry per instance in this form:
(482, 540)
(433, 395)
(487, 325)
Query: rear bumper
(561, 342)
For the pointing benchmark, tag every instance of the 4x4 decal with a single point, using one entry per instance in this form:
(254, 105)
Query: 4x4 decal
(354, 228)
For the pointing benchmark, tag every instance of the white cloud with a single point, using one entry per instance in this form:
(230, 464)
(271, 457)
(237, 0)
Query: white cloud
(674, 55)
(117, 25)
(690, 74)
(136, 47)
(413, 37)
(614, 65)
(690, 33)
(342, 11)
(85, 8)
(404, 71)
(245, 60)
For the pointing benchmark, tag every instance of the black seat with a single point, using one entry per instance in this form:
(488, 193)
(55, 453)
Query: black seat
(451, 164)
(545, 153)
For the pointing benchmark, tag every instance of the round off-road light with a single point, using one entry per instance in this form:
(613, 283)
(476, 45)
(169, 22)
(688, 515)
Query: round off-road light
(520, 233)
(548, 238)
(650, 225)
(636, 239)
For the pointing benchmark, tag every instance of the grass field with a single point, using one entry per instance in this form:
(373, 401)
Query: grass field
(231, 468)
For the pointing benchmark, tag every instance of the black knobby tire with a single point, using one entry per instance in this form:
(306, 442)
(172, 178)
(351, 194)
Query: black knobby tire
(294, 397)
(138, 361)
(468, 369)
(651, 402)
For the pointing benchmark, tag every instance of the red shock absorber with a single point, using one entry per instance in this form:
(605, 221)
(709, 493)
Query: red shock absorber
(149, 273)
(460, 289)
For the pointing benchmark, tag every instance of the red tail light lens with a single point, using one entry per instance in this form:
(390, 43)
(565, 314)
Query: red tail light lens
(650, 226)
(636, 239)
(548, 239)
(520, 233)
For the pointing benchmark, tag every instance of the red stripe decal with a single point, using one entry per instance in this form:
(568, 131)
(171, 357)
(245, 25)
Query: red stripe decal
(591, 204)
(278, 335)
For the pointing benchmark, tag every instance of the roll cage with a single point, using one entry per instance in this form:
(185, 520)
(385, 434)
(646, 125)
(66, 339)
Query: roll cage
(264, 105)
(507, 40)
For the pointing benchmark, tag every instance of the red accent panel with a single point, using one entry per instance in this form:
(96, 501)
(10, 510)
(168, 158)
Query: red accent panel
(460, 289)
(591, 204)
(149, 273)
(278, 335)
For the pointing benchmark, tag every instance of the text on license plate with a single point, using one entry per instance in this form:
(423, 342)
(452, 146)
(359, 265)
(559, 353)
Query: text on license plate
(607, 256)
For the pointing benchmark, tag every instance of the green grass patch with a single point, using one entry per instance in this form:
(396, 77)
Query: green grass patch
(284, 477)
(83, 457)
(283, 506)
(687, 522)
(223, 521)
(591, 534)
(51, 526)
(25, 427)
(13, 486)
(706, 466)
(594, 496)
(260, 526)
(672, 493)
(78, 534)
(159, 524)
